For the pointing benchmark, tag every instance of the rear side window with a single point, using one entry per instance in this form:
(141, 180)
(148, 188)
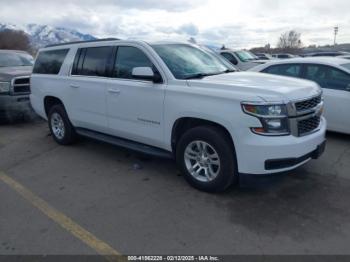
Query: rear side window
(292, 70)
(50, 62)
(129, 57)
(93, 61)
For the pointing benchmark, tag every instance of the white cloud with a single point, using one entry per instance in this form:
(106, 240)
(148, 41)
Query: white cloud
(239, 23)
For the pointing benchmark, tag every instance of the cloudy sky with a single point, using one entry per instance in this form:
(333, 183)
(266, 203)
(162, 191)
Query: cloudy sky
(235, 23)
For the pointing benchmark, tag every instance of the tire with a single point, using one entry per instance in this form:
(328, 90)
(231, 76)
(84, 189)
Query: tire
(220, 176)
(61, 128)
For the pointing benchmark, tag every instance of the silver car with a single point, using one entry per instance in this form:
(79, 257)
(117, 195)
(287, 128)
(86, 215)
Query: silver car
(15, 70)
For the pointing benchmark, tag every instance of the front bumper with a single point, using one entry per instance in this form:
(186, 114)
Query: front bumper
(12, 105)
(264, 155)
(272, 164)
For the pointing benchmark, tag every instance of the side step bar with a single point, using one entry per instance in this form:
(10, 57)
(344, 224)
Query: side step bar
(142, 148)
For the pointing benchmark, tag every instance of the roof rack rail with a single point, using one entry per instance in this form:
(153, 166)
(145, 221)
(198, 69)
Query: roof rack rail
(79, 42)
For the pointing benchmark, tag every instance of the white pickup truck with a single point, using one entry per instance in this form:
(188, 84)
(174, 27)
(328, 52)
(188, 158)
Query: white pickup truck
(178, 100)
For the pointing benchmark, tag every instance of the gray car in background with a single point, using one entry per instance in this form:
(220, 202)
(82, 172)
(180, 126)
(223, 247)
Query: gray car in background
(15, 71)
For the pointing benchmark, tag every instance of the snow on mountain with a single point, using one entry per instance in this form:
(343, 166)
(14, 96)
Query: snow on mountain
(42, 35)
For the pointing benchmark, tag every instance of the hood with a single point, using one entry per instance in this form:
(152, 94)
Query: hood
(266, 87)
(7, 73)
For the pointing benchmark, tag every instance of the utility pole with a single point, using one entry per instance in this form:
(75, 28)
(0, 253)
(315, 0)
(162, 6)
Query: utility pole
(336, 29)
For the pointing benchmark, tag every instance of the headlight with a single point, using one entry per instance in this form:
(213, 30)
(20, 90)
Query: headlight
(273, 118)
(4, 87)
(265, 110)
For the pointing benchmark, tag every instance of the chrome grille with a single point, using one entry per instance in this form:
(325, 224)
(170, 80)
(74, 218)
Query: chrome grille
(21, 85)
(308, 125)
(308, 104)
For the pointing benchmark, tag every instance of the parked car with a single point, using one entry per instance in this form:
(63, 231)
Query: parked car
(332, 74)
(334, 53)
(15, 70)
(243, 60)
(283, 56)
(264, 56)
(177, 100)
(227, 63)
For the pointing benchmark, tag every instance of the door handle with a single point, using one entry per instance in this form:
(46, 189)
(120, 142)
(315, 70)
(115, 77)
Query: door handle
(74, 86)
(114, 91)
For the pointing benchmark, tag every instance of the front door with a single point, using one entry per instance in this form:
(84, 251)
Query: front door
(134, 106)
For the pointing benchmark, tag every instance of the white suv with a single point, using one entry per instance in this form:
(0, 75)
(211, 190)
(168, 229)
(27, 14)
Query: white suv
(179, 100)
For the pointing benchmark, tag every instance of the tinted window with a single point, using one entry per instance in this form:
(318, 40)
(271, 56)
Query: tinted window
(50, 62)
(292, 70)
(128, 58)
(230, 58)
(327, 77)
(92, 61)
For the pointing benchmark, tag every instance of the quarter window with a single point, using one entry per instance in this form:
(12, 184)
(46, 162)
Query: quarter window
(93, 61)
(292, 70)
(50, 62)
(128, 58)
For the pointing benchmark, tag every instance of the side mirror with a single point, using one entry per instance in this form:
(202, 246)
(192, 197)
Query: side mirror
(143, 73)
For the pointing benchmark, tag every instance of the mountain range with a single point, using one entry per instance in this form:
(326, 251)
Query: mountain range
(42, 35)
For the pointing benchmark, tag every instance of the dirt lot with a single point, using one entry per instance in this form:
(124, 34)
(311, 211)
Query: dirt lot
(143, 206)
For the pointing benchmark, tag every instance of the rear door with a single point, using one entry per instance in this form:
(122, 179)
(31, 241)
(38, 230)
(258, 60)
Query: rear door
(334, 83)
(87, 87)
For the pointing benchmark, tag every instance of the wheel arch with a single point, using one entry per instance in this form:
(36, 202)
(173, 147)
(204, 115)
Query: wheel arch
(50, 101)
(181, 125)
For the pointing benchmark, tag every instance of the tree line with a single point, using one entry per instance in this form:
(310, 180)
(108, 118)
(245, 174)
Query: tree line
(15, 40)
(288, 42)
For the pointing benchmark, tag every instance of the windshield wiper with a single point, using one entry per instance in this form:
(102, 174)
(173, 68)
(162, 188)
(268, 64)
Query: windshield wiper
(198, 75)
(201, 75)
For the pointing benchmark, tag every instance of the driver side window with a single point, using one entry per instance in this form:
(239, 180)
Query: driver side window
(129, 57)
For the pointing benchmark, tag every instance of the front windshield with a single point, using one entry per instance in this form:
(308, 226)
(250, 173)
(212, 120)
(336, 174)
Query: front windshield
(15, 59)
(245, 56)
(186, 61)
